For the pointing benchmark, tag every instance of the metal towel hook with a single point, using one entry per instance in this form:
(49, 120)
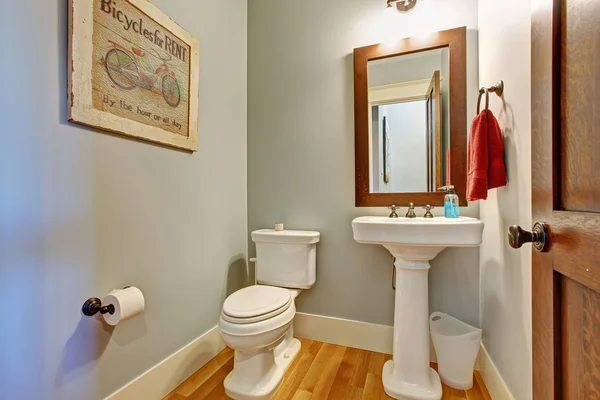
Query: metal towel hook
(498, 88)
(483, 91)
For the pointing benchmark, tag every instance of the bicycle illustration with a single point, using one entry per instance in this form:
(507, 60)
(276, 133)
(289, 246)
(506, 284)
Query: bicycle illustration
(123, 70)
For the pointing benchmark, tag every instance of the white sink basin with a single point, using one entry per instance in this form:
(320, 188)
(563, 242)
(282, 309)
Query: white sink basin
(414, 242)
(418, 239)
(459, 232)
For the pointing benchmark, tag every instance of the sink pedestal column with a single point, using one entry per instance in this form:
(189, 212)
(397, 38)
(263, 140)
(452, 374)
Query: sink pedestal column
(414, 242)
(408, 376)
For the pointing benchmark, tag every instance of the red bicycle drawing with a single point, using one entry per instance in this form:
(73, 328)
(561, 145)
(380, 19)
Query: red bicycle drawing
(123, 70)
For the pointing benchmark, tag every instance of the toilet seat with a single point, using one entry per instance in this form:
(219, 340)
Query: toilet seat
(256, 329)
(255, 304)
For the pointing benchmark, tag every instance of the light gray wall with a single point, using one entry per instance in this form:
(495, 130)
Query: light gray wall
(83, 212)
(506, 273)
(301, 146)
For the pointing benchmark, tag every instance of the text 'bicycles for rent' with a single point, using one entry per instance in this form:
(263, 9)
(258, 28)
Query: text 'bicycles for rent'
(123, 68)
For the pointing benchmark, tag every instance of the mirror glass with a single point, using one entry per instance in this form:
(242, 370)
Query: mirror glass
(409, 132)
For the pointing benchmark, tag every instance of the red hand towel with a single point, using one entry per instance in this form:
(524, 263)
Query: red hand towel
(496, 168)
(477, 162)
(486, 157)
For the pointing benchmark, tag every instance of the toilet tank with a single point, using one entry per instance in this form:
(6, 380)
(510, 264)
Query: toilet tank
(286, 258)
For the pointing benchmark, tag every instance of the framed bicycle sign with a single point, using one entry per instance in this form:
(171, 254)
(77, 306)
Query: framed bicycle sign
(133, 71)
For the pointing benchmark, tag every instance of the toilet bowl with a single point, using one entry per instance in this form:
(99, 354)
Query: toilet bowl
(257, 321)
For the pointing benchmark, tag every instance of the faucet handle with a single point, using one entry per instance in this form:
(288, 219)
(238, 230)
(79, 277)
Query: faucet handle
(428, 213)
(411, 211)
(393, 213)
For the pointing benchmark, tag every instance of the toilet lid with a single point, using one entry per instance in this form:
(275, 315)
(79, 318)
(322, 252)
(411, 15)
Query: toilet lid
(256, 303)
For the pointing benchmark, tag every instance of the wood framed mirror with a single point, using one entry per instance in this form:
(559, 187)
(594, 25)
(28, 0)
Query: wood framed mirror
(410, 111)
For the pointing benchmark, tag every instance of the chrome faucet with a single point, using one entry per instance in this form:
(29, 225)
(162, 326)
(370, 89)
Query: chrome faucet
(393, 213)
(411, 211)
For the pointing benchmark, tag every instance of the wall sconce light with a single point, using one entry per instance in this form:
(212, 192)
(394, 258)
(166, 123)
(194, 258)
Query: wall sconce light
(403, 6)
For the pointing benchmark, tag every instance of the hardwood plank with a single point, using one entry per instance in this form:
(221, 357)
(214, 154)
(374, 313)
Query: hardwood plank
(342, 387)
(302, 395)
(298, 369)
(374, 388)
(203, 374)
(376, 363)
(211, 383)
(479, 391)
(362, 367)
(218, 393)
(449, 393)
(475, 393)
(175, 396)
(319, 378)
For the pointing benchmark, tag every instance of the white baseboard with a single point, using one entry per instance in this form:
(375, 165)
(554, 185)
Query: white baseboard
(492, 378)
(344, 332)
(161, 379)
(349, 333)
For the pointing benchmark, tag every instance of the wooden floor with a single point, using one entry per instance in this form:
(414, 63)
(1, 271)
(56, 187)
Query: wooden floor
(320, 371)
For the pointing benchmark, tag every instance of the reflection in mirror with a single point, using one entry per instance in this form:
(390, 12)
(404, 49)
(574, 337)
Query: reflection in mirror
(409, 122)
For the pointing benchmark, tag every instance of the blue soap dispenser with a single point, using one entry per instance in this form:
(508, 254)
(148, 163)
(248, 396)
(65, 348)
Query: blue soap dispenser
(451, 204)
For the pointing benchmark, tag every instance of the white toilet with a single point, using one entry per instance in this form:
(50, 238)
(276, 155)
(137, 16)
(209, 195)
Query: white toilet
(257, 321)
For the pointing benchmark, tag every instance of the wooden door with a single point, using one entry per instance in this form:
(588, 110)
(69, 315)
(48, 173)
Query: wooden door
(434, 133)
(566, 195)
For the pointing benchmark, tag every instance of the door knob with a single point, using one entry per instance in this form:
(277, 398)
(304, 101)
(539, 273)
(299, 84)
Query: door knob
(540, 237)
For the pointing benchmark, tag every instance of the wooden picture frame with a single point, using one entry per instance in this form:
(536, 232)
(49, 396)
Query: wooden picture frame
(133, 71)
(456, 41)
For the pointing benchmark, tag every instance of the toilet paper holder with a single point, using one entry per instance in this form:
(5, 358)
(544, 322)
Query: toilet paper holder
(93, 306)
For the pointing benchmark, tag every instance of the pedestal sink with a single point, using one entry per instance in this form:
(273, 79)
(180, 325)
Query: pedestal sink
(414, 242)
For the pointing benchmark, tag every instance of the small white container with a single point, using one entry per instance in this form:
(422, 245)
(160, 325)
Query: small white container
(456, 346)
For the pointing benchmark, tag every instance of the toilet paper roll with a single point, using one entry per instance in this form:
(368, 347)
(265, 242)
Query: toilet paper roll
(128, 303)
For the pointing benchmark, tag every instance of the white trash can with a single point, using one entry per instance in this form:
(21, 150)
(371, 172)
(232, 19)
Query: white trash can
(456, 345)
